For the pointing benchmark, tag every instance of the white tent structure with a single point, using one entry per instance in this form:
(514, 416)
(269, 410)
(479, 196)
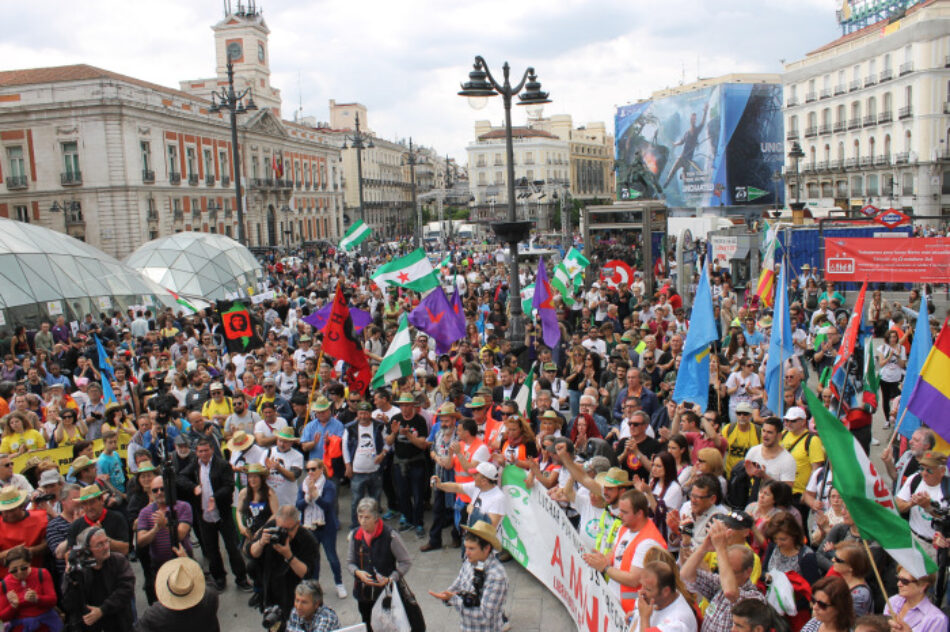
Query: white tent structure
(201, 267)
(44, 274)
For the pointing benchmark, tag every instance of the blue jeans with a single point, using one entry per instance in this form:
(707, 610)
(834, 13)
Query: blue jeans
(361, 486)
(410, 486)
(326, 537)
(574, 401)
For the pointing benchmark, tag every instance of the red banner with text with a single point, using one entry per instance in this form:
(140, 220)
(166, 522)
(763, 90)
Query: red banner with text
(888, 259)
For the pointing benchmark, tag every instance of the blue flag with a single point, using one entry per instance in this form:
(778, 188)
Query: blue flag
(435, 316)
(780, 347)
(692, 380)
(919, 351)
(543, 301)
(105, 368)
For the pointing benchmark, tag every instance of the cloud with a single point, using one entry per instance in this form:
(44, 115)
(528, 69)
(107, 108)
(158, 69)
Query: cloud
(405, 60)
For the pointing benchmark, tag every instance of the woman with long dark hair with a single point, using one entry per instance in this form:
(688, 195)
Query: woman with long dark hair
(831, 606)
(678, 447)
(257, 503)
(663, 490)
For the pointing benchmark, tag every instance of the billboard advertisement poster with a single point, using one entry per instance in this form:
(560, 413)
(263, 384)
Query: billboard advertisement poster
(713, 146)
(906, 260)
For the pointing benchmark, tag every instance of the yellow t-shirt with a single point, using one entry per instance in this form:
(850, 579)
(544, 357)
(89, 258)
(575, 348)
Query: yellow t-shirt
(212, 408)
(32, 438)
(804, 457)
(739, 442)
(713, 564)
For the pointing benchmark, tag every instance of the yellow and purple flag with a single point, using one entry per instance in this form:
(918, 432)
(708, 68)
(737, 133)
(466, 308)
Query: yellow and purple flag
(930, 400)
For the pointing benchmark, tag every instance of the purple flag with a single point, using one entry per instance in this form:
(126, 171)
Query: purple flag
(435, 316)
(543, 301)
(318, 319)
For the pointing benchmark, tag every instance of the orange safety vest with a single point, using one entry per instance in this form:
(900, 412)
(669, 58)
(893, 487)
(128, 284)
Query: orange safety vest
(462, 475)
(628, 594)
(332, 449)
(491, 428)
(520, 451)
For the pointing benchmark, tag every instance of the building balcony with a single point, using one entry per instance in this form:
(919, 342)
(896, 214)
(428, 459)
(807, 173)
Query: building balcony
(902, 158)
(850, 163)
(811, 96)
(808, 167)
(840, 89)
(791, 102)
(885, 117)
(792, 134)
(151, 216)
(906, 68)
(148, 176)
(196, 214)
(174, 178)
(834, 165)
(225, 181)
(883, 160)
(865, 161)
(821, 165)
(193, 179)
(825, 93)
(16, 183)
(886, 75)
(841, 126)
(227, 213)
(905, 112)
(854, 85)
(178, 215)
(870, 80)
(870, 119)
(811, 130)
(825, 128)
(854, 123)
(209, 181)
(70, 178)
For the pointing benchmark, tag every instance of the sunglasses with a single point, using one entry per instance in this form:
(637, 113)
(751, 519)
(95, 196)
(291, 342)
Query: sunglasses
(19, 569)
(818, 603)
(698, 497)
(838, 560)
(637, 424)
(931, 470)
(903, 581)
(158, 490)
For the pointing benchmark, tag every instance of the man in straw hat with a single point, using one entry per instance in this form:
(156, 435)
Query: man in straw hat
(95, 514)
(20, 526)
(285, 464)
(440, 439)
(185, 602)
(480, 590)
(408, 432)
(244, 451)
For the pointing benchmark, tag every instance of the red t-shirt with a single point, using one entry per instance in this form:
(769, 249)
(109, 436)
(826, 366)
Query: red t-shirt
(697, 442)
(30, 531)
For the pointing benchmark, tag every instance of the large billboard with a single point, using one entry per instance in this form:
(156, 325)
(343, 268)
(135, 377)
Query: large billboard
(895, 260)
(716, 146)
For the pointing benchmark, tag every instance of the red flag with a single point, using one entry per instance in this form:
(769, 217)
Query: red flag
(340, 342)
(838, 373)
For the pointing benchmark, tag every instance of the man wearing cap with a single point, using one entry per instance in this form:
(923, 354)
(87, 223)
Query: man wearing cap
(480, 590)
(244, 451)
(153, 528)
(285, 464)
(488, 429)
(303, 352)
(317, 433)
(364, 449)
(807, 450)
(740, 435)
(440, 440)
(185, 602)
(270, 395)
(923, 491)
(19, 526)
(488, 500)
(407, 436)
(95, 514)
(218, 408)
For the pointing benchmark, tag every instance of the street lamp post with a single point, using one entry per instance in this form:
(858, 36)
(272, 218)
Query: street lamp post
(566, 241)
(233, 102)
(480, 85)
(357, 142)
(412, 159)
(797, 206)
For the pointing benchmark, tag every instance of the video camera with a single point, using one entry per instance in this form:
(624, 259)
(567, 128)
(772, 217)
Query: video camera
(278, 535)
(79, 558)
(473, 598)
(273, 616)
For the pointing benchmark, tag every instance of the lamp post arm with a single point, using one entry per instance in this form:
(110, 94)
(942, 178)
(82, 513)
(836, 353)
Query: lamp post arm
(517, 89)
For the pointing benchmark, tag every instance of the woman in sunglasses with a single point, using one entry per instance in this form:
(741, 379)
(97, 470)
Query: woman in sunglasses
(851, 563)
(831, 607)
(27, 596)
(912, 606)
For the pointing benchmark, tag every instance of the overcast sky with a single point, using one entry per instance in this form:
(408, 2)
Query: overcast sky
(404, 60)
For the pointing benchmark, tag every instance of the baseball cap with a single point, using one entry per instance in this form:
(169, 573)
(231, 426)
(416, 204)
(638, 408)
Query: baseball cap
(488, 470)
(795, 413)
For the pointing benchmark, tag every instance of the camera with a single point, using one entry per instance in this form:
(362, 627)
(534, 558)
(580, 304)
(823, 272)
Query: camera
(272, 617)
(79, 559)
(278, 535)
(44, 498)
(473, 598)
(687, 529)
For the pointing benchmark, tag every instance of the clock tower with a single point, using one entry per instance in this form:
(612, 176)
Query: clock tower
(241, 37)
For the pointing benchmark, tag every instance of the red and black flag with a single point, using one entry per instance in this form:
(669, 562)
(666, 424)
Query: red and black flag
(237, 324)
(340, 342)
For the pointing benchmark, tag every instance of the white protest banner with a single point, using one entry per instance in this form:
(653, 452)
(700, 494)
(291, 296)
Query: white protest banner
(539, 536)
(263, 296)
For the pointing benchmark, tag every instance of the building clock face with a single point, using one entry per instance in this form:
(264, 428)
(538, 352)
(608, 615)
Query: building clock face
(260, 53)
(234, 51)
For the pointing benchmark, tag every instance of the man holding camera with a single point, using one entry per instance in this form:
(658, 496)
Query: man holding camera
(922, 493)
(283, 553)
(480, 590)
(99, 586)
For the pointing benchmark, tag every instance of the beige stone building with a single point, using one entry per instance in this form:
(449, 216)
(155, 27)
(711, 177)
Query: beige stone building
(871, 111)
(131, 161)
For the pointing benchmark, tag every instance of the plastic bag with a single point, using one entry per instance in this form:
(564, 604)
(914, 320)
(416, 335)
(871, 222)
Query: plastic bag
(388, 614)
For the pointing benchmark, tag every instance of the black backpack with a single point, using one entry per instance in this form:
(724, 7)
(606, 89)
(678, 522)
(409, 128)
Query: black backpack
(741, 489)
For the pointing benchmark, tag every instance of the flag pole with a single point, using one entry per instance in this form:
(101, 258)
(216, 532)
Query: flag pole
(827, 465)
(880, 582)
(897, 428)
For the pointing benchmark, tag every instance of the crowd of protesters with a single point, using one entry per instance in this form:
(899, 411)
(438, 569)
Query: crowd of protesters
(716, 520)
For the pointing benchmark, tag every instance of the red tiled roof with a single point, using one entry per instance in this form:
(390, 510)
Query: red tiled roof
(80, 72)
(866, 30)
(517, 132)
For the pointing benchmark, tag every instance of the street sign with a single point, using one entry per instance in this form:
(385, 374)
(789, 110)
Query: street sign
(869, 210)
(892, 218)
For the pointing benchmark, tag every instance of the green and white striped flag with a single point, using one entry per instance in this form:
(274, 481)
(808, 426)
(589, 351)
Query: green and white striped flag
(357, 233)
(397, 362)
(867, 498)
(525, 394)
(412, 272)
(568, 275)
(527, 297)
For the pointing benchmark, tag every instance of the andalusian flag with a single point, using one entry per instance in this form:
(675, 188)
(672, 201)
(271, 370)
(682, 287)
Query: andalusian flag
(183, 302)
(765, 288)
(412, 272)
(356, 235)
(568, 275)
(397, 362)
(866, 496)
(527, 296)
(525, 394)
